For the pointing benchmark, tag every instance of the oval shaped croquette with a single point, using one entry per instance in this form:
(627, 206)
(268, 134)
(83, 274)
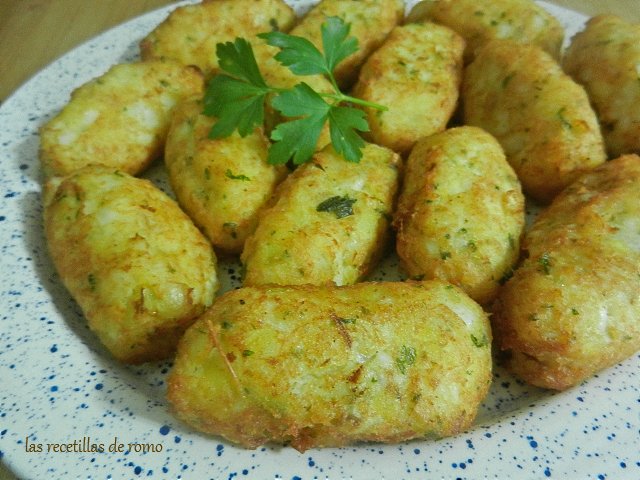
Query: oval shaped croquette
(328, 222)
(572, 308)
(222, 184)
(330, 366)
(119, 119)
(540, 116)
(139, 269)
(460, 213)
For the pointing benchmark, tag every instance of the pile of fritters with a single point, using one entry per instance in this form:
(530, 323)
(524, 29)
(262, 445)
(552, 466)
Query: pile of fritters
(483, 108)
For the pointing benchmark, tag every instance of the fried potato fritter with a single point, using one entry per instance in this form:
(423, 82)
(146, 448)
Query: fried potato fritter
(480, 21)
(119, 119)
(190, 33)
(460, 213)
(371, 21)
(328, 221)
(605, 58)
(540, 116)
(573, 307)
(139, 269)
(321, 366)
(416, 74)
(223, 183)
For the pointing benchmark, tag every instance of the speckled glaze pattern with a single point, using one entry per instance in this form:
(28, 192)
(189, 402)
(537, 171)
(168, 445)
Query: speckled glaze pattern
(59, 385)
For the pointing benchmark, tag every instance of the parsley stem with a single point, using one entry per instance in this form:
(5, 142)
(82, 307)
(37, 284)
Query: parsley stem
(340, 97)
(334, 83)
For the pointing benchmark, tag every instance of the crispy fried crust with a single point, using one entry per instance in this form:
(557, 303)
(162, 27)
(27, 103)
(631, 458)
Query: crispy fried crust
(222, 184)
(605, 58)
(371, 21)
(460, 213)
(119, 119)
(540, 116)
(572, 309)
(480, 21)
(330, 366)
(190, 33)
(327, 223)
(416, 74)
(134, 262)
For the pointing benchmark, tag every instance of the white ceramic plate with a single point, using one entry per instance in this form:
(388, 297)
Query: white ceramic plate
(59, 385)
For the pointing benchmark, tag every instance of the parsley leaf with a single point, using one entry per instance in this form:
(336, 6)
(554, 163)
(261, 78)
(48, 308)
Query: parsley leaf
(301, 100)
(347, 320)
(237, 96)
(297, 139)
(340, 206)
(343, 123)
(480, 342)
(237, 59)
(233, 176)
(544, 263)
(236, 104)
(299, 54)
(406, 358)
(336, 42)
(303, 58)
(93, 282)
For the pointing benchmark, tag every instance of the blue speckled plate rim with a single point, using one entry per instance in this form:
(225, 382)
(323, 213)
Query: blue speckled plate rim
(59, 385)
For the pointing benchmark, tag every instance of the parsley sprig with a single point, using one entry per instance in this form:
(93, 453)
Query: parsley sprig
(237, 96)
